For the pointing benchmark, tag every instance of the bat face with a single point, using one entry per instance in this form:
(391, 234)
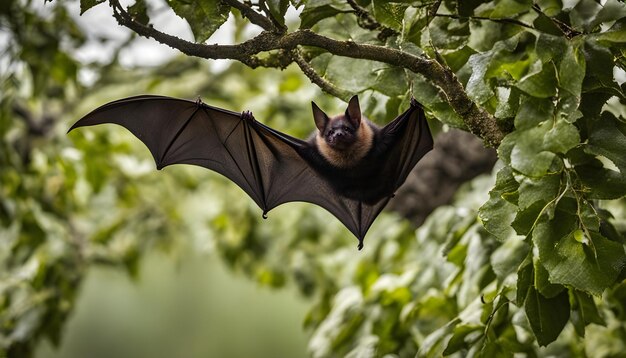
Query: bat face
(345, 139)
(340, 133)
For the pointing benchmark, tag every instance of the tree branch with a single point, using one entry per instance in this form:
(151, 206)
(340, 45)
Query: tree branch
(252, 15)
(478, 121)
(316, 78)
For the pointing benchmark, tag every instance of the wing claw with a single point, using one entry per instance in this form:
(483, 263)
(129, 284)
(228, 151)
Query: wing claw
(247, 116)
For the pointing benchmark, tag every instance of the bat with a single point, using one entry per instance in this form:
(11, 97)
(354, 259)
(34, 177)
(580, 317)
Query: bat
(349, 166)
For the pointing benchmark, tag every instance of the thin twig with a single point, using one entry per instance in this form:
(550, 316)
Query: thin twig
(433, 10)
(252, 15)
(567, 30)
(321, 82)
(499, 20)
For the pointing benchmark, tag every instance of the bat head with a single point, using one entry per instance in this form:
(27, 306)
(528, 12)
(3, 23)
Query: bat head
(342, 131)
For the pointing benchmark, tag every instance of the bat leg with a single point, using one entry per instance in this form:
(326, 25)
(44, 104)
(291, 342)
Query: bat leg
(247, 116)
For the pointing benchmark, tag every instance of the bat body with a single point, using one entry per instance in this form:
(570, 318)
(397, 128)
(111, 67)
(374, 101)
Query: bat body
(349, 151)
(350, 166)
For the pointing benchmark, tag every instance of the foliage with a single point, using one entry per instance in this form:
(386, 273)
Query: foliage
(539, 262)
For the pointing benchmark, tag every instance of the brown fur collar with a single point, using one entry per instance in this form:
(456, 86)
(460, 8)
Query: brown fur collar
(349, 157)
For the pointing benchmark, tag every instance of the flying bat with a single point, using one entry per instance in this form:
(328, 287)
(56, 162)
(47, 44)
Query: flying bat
(349, 166)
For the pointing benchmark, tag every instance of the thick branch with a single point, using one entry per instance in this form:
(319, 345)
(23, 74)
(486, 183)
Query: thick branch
(479, 121)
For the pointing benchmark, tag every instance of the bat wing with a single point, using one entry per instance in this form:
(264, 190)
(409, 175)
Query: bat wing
(265, 163)
(408, 139)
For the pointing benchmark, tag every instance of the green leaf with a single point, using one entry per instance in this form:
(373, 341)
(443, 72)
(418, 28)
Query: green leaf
(533, 111)
(458, 58)
(547, 316)
(510, 8)
(550, 7)
(434, 342)
(528, 155)
(477, 87)
(525, 278)
(599, 181)
(311, 15)
(467, 7)
(612, 10)
(448, 33)
(482, 64)
(583, 14)
(572, 70)
(526, 218)
(508, 102)
(458, 339)
(607, 137)
(542, 83)
(139, 12)
(496, 214)
(203, 16)
(390, 14)
(551, 48)
(569, 262)
(542, 282)
(391, 81)
(533, 190)
(562, 137)
(599, 64)
(544, 24)
(278, 8)
(568, 107)
(508, 258)
(429, 95)
(584, 311)
(88, 4)
(362, 74)
(618, 36)
(415, 20)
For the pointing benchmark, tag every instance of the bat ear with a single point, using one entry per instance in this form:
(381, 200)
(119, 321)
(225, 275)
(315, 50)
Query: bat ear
(320, 117)
(354, 111)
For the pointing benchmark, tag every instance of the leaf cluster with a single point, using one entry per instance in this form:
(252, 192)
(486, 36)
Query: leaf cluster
(542, 262)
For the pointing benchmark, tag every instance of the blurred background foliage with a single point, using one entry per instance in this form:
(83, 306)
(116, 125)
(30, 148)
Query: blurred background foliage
(103, 256)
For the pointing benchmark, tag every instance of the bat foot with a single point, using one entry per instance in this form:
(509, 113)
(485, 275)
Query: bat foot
(264, 215)
(247, 116)
(414, 102)
(360, 245)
